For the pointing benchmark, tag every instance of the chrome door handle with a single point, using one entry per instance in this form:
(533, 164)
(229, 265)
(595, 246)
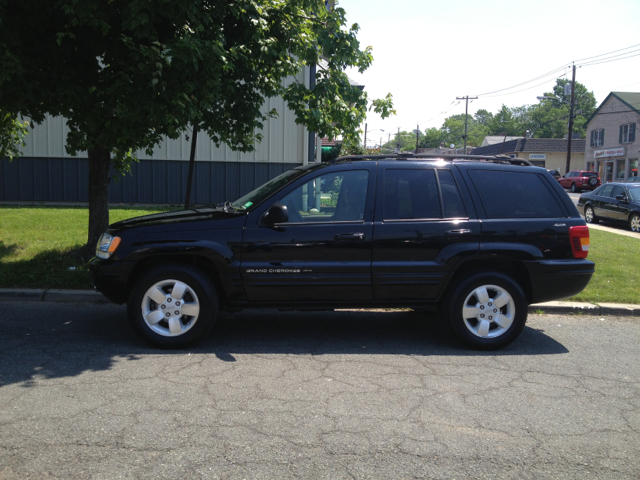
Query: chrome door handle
(350, 236)
(463, 231)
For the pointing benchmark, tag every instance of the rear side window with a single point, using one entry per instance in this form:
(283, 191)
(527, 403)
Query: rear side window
(515, 195)
(451, 198)
(606, 191)
(410, 194)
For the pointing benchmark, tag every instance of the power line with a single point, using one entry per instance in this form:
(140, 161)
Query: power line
(608, 61)
(603, 54)
(525, 89)
(552, 72)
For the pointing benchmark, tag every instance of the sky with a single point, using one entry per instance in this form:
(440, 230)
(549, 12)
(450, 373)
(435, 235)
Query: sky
(427, 53)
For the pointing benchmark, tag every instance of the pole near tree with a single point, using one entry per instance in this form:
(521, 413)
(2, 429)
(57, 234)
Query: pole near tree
(192, 160)
(417, 136)
(365, 136)
(573, 93)
(466, 109)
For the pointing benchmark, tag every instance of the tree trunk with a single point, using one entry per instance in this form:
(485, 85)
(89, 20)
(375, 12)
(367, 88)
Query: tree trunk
(99, 167)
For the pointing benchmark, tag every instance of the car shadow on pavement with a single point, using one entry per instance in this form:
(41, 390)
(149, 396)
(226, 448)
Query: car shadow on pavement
(61, 340)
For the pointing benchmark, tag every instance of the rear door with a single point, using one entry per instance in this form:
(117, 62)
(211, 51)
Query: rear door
(418, 238)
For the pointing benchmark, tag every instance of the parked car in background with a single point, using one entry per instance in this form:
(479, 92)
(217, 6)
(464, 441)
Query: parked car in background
(577, 180)
(619, 202)
(554, 173)
(632, 180)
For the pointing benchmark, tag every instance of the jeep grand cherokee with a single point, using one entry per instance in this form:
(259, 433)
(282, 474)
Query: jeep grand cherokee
(479, 238)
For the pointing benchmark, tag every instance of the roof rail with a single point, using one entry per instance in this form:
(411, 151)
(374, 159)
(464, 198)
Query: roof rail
(435, 156)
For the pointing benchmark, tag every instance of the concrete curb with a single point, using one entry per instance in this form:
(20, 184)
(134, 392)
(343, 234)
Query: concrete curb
(53, 295)
(89, 296)
(575, 308)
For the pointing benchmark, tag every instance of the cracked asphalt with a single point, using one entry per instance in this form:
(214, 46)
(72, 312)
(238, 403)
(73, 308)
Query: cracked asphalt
(315, 395)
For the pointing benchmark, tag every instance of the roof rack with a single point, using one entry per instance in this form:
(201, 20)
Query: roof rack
(435, 156)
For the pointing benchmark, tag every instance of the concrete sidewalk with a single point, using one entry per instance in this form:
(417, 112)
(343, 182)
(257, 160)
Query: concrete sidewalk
(89, 296)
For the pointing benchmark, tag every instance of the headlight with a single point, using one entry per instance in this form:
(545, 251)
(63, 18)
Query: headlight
(107, 245)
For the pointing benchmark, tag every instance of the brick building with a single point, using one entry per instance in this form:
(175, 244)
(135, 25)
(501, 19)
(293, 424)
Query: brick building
(612, 148)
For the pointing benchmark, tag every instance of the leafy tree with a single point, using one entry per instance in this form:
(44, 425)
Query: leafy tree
(550, 118)
(483, 117)
(432, 138)
(509, 121)
(12, 133)
(453, 130)
(126, 72)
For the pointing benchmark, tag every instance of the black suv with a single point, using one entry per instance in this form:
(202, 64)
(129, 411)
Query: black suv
(479, 238)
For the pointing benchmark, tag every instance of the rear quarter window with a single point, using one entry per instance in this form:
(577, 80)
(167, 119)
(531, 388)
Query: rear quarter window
(506, 194)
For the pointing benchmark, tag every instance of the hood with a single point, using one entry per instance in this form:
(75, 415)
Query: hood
(193, 219)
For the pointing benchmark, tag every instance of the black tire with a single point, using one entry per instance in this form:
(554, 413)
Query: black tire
(634, 223)
(574, 189)
(197, 292)
(590, 215)
(469, 329)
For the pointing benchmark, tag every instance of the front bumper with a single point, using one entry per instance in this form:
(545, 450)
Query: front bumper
(110, 278)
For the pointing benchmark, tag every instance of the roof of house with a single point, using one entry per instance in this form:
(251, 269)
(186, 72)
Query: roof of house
(630, 99)
(328, 143)
(491, 139)
(544, 145)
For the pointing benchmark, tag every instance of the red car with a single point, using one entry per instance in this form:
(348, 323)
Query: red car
(577, 180)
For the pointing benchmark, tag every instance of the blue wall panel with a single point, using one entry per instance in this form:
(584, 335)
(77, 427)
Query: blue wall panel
(150, 181)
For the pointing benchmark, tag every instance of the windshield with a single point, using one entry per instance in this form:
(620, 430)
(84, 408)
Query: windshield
(253, 198)
(634, 193)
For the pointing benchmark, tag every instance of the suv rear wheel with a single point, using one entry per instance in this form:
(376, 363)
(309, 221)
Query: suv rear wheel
(487, 310)
(173, 305)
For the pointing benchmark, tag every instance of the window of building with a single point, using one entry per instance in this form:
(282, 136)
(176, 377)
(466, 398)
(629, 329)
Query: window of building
(597, 137)
(628, 133)
(590, 166)
(633, 167)
(620, 173)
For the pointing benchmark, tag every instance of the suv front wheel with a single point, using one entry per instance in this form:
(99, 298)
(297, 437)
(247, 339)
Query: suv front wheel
(173, 305)
(487, 310)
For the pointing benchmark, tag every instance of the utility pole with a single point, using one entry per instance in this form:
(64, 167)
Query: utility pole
(365, 136)
(573, 94)
(417, 136)
(466, 109)
(398, 141)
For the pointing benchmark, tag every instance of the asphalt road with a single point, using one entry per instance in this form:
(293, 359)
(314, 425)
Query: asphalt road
(315, 395)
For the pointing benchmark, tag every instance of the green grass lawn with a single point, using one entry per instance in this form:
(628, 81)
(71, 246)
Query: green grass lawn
(35, 243)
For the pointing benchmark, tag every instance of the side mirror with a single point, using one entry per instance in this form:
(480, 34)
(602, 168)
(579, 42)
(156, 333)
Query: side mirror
(276, 214)
(620, 197)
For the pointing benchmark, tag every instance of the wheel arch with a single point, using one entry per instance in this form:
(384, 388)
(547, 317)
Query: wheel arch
(513, 268)
(200, 262)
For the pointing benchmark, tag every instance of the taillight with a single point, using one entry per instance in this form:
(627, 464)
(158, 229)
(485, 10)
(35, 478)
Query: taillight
(579, 238)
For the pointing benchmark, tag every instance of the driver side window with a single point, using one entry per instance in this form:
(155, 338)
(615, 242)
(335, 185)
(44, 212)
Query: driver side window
(334, 197)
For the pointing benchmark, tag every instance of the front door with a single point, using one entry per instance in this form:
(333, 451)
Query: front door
(323, 253)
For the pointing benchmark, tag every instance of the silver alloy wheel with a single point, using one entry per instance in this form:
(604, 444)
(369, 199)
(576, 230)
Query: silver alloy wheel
(170, 308)
(588, 214)
(635, 223)
(488, 311)
(573, 188)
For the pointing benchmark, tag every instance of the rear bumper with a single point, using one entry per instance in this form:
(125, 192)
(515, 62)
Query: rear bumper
(558, 279)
